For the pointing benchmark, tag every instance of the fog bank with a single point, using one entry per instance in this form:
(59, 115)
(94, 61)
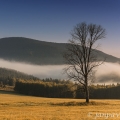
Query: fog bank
(106, 73)
(43, 71)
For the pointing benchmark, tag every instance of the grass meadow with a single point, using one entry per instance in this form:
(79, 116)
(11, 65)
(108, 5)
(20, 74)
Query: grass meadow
(20, 107)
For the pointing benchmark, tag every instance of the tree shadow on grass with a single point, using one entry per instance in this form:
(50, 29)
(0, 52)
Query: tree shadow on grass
(73, 103)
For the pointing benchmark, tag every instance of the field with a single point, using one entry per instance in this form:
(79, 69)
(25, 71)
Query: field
(20, 107)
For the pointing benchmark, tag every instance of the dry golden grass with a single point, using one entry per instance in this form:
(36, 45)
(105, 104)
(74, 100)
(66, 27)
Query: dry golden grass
(20, 107)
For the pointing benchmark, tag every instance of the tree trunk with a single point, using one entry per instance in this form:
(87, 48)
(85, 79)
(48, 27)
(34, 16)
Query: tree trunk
(86, 90)
(87, 94)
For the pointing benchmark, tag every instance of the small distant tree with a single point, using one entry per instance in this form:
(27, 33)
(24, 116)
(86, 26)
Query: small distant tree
(81, 55)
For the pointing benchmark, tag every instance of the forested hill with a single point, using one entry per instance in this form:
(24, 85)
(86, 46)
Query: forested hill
(31, 51)
(9, 76)
(37, 52)
(9, 73)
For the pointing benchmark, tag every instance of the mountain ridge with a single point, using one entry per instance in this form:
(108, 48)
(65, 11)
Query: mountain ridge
(37, 52)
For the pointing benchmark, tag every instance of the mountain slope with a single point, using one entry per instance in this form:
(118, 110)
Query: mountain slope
(37, 52)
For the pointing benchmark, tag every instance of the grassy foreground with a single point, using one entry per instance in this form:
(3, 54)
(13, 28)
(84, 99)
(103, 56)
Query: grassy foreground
(20, 107)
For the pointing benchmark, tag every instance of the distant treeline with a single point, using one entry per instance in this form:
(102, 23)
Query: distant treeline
(54, 89)
(9, 77)
(112, 92)
(65, 89)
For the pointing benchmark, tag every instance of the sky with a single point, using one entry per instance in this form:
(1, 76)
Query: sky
(53, 20)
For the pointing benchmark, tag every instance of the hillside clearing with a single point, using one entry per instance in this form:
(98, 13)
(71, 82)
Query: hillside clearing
(20, 107)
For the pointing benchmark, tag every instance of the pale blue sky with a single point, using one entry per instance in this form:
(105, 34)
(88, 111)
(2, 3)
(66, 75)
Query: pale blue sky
(52, 20)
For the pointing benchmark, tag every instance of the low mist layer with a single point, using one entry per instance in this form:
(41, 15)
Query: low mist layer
(106, 73)
(43, 71)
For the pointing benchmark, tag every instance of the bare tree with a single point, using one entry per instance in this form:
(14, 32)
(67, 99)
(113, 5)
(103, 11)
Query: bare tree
(81, 55)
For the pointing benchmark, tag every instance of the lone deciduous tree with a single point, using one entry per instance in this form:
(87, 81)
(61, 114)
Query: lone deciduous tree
(81, 55)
